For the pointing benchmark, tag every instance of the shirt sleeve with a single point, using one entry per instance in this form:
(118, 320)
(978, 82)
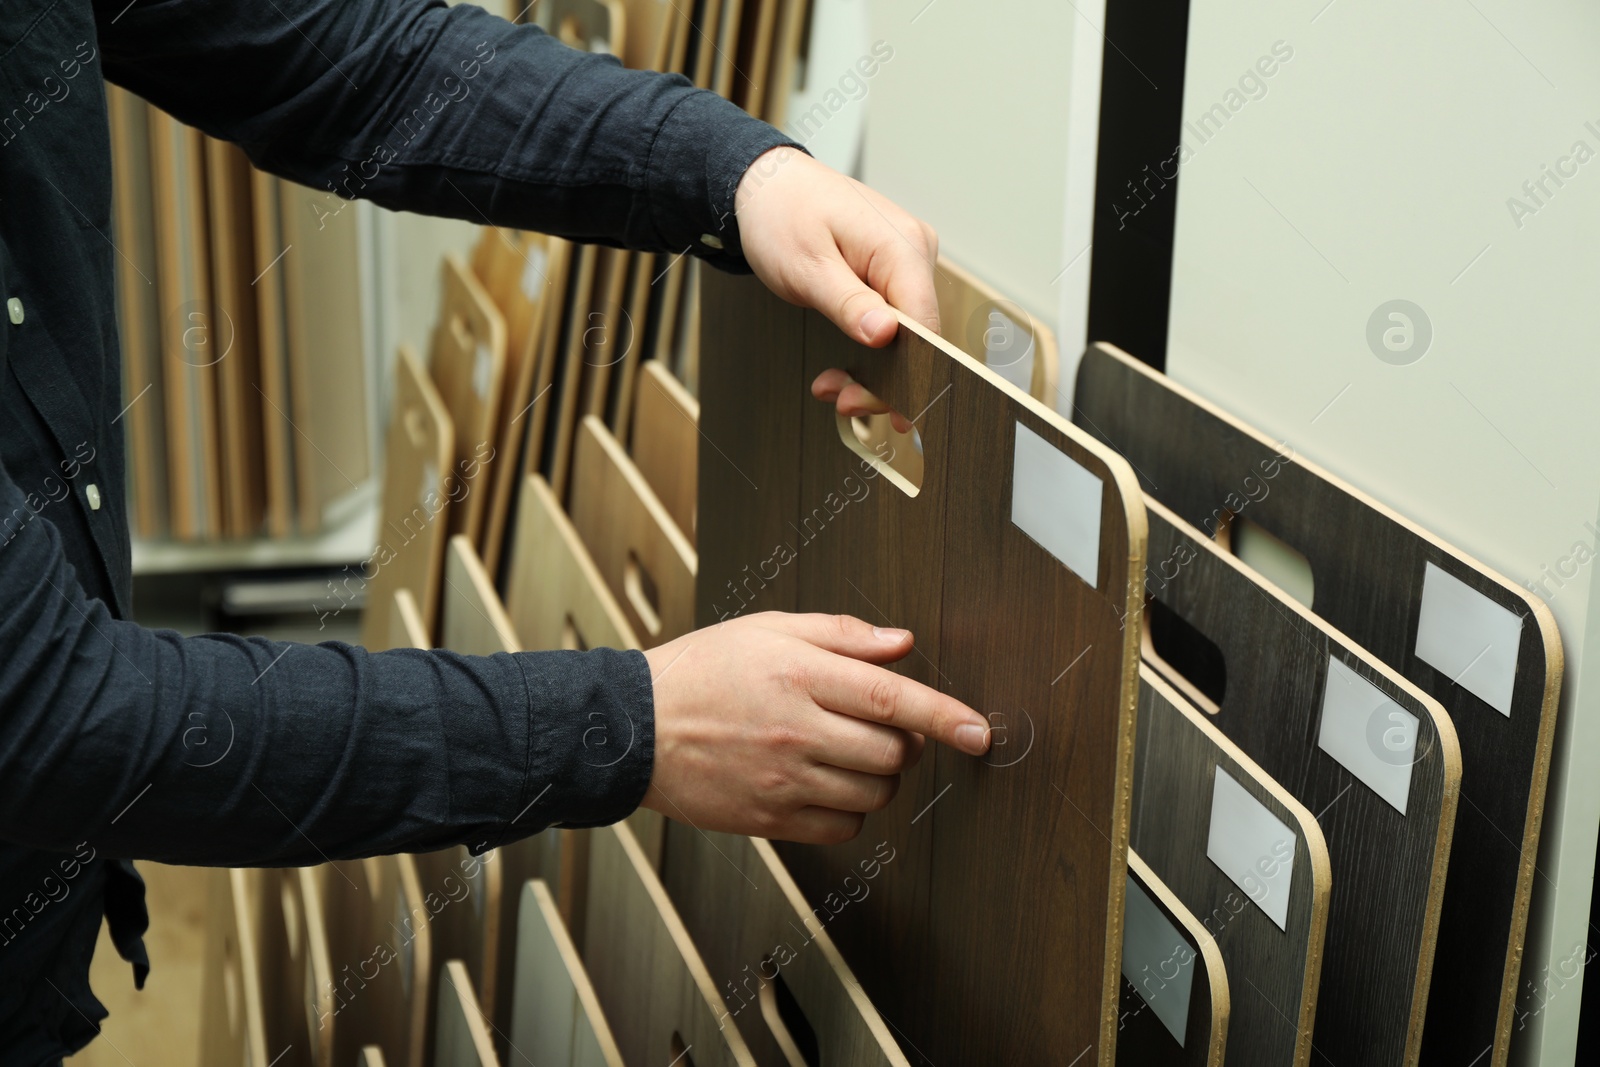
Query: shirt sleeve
(447, 111)
(235, 751)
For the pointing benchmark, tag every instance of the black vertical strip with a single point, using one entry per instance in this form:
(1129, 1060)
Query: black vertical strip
(1136, 177)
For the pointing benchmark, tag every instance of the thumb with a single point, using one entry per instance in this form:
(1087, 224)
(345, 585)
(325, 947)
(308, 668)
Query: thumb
(855, 308)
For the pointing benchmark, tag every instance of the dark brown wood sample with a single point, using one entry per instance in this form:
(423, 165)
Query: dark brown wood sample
(767, 949)
(1369, 564)
(991, 865)
(1142, 1039)
(1281, 663)
(1274, 972)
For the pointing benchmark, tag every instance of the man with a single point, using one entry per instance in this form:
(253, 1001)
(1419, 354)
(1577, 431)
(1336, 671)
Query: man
(784, 726)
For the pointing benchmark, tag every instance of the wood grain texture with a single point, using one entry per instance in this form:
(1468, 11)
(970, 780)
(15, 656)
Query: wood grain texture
(1274, 973)
(462, 1039)
(322, 296)
(666, 443)
(645, 560)
(273, 344)
(234, 338)
(754, 930)
(557, 1017)
(647, 974)
(411, 522)
(472, 619)
(139, 311)
(468, 365)
(188, 370)
(1142, 1039)
(535, 295)
(1369, 561)
(232, 1021)
(1389, 867)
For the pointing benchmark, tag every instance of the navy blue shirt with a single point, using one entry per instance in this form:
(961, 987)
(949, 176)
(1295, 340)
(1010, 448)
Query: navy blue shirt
(119, 742)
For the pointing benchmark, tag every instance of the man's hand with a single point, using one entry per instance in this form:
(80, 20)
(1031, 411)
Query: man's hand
(785, 726)
(822, 240)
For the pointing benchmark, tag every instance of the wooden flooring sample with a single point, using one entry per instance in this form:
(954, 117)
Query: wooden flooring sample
(528, 289)
(278, 433)
(1190, 784)
(785, 70)
(587, 25)
(461, 1037)
(606, 337)
(652, 29)
(468, 364)
(567, 387)
(472, 619)
(655, 991)
(645, 560)
(753, 60)
(666, 436)
(1395, 589)
(232, 1023)
(764, 946)
(1037, 522)
(556, 1017)
(1374, 757)
(411, 522)
(1177, 1018)
(997, 332)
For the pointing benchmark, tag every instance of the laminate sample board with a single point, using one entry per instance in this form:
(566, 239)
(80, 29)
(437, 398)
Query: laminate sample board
(411, 527)
(1395, 589)
(647, 974)
(1373, 756)
(468, 364)
(556, 1017)
(472, 620)
(232, 1022)
(461, 1037)
(978, 319)
(307, 977)
(533, 295)
(1193, 786)
(764, 945)
(666, 443)
(727, 50)
(652, 28)
(981, 845)
(640, 296)
(785, 70)
(753, 60)
(700, 60)
(139, 311)
(645, 560)
(371, 1056)
(587, 25)
(405, 624)
(1181, 1018)
(567, 385)
(278, 433)
(381, 948)
(607, 337)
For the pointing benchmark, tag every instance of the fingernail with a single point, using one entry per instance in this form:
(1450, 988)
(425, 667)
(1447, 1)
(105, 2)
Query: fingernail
(872, 321)
(889, 634)
(972, 738)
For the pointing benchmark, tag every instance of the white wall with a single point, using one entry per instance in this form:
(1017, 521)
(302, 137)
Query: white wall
(1377, 165)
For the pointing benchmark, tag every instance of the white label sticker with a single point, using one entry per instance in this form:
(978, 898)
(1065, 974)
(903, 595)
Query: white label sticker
(1372, 736)
(1056, 501)
(1252, 846)
(533, 276)
(1468, 637)
(1008, 349)
(482, 367)
(1157, 960)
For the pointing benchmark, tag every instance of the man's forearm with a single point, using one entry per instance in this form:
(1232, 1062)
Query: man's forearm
(447, 111)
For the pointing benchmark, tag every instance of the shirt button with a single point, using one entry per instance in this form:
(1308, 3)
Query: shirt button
(711, 240)
(91, 493)
(14, 309)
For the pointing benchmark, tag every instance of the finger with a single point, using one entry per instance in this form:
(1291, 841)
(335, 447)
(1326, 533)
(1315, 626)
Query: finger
(900, 423)
(844, 635)
(829, 384)
(909, 284)
(869, 692)
(856, 399)
(838, 293)
(846, 790)
(857, 745)
(820, 826)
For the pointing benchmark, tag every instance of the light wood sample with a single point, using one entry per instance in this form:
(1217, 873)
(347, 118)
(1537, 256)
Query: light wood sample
(666, 442)
(648, 976)
(232, 1023)
(278, 434)
(1369, 564)
(461, 1038)
(556, 1017)
(645, 560)
(1274, 972)
(587, 25)
(652, 30)
(567, 385)
(764, 946)
(472, 620)
(411, 522)
(468, 364)
(1142, 1039)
